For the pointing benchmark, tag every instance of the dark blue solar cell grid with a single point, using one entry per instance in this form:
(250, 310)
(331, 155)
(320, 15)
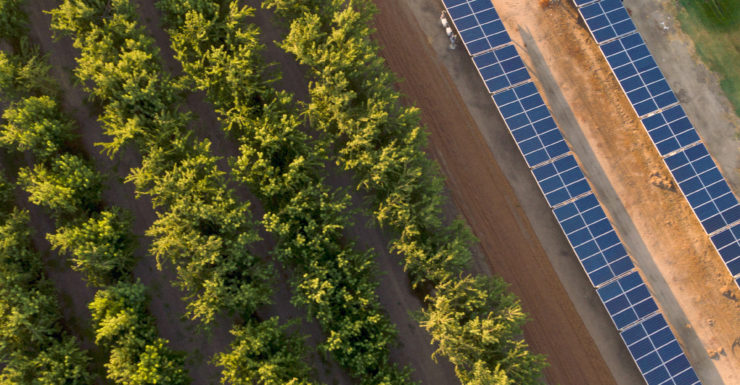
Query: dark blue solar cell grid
(627, 300)
(607, 20)
(561, 180)
(704, 187)
(501, 68)
(478, 24)
(594, 240)
(531, 124)
(639, 75)
(657, 353)
(727, 243)
(670, 130)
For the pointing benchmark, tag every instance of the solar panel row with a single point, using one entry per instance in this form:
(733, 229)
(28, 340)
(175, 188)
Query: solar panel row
(638, 74)
(657, 353)
(593, 239)
(531, 124)
(580, 215)
(728, 246)
(561, 180)
(501, 68)
(675, 138)
(607, 20)
(670, 130)
(627, 300)
(478, 24)
(707, 192)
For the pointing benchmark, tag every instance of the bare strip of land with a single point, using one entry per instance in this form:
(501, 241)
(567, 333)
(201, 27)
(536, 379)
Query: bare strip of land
(483, 195)
(669, 245)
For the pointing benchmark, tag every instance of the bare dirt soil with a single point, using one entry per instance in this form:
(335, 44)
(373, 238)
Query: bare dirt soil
(685, 273)
(483, 195)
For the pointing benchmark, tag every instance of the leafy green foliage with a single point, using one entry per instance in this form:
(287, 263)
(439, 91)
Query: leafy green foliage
(33, 347)
(138, 355)
(282, 166)
(23, 75)
(13, 20)
(205, 232)
(101, 247)
(67, 187)
(354, 105)
(200, 228)
(477, 325)
(35, 124)
(261, 354)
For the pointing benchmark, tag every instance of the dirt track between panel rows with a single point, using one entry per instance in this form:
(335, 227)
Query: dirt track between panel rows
(685, 273)
(482, 194)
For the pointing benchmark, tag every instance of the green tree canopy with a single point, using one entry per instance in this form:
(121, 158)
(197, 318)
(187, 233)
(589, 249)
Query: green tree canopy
(101, 247)
(35, 124)
(69, 186)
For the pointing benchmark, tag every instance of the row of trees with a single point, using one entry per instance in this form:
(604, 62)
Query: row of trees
(283, 167)
(475, 322)
(200, 227)
(34, 347)
(98, 242)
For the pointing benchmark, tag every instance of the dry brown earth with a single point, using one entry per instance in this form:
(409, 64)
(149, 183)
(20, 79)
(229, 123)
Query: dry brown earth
(483, 195)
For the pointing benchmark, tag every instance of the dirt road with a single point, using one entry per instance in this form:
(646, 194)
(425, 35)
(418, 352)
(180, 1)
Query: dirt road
(483, 195)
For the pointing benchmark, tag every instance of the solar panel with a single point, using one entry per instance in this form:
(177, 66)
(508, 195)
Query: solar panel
(501, 68)
(704, 187)
(531, 124)
(478, 24)
(607, 20)
(561, 180)
(727, 243)
(627, 300)
(638, 74)
(580, 3)
(657, 353)
(670, 130)
(594, 240)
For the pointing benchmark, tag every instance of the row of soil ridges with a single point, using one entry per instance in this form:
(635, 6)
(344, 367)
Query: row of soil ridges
(203, 229)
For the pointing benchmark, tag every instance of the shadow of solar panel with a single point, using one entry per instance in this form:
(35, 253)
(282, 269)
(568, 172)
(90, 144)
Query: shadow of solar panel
(670, 130)
(530, 123)
(638, 74)
(561, 180)
(704, 187)
(627, 300)
(594, 240)
(501, 68)
(478, 24)
(658, 355)
(607, 19)
(727, 243)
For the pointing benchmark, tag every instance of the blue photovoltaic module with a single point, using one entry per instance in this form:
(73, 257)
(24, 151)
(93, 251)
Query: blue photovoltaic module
(657, 353)
(478, 24)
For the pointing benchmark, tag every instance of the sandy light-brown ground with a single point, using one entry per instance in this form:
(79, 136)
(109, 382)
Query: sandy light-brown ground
(684, 271)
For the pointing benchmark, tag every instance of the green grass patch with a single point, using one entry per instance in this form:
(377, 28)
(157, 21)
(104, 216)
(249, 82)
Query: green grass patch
(714, 26)
(714, 14)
